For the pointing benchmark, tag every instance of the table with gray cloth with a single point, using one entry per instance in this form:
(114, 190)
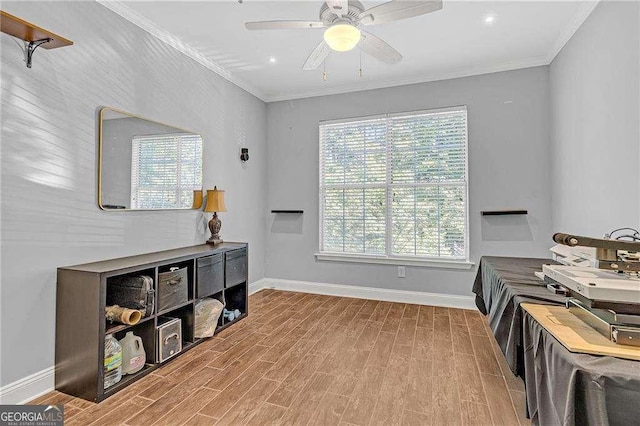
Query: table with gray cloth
(501, 285)
(565, 388)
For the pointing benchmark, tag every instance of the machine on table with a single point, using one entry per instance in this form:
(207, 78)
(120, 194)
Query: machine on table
(606, 293)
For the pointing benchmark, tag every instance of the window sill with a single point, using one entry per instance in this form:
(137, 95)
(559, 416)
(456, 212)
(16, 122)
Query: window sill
(398, 261)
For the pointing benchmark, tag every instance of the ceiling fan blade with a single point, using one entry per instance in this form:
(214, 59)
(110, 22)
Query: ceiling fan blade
(318, 55)
(283, 25)
(339, 7)
(396, 10)
(379, 49)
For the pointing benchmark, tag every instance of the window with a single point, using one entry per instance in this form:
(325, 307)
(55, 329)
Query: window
(165, 169)
(395, 186)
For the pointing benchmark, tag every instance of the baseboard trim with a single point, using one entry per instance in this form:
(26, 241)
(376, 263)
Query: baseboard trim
(28, 388)
(358, 292)
(256, 286)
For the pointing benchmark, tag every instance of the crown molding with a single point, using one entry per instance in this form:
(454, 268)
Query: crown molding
(429, 77)
(135, 18)
(576, 22)
(129, 14)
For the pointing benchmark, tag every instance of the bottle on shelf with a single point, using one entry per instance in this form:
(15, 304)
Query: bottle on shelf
(112, 361)
(133, 354)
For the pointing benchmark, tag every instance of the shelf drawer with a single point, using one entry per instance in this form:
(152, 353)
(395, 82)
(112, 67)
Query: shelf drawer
(210, 276)
(236, 267)
(172, 288)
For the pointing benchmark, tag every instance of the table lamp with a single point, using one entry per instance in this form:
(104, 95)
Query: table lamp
(215, 203)
(197, 199)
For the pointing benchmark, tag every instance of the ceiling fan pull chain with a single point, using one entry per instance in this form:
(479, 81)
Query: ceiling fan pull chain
(360, 70)
(324, 70)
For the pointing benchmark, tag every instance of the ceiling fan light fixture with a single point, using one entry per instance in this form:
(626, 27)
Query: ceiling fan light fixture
(342, 37)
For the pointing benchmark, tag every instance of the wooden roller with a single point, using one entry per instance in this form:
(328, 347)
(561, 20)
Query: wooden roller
(123, 315)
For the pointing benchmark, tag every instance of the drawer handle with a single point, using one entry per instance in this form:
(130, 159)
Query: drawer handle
(169, 337)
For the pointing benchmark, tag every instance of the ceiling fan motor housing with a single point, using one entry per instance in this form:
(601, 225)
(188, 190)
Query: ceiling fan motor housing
(351, 17)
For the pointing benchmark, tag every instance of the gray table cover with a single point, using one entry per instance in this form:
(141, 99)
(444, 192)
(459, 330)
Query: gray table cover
(565, 388)
(501, 284)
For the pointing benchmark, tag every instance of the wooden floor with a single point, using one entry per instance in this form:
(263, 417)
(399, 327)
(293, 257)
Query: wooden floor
(303, 359)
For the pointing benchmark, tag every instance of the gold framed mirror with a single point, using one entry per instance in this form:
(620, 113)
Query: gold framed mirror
(146, 165)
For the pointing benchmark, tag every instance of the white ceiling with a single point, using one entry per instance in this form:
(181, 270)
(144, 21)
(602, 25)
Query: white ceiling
(452, 42)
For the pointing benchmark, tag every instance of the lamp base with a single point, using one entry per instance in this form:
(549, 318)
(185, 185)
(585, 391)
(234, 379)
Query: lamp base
(214, 241)
(214, 226)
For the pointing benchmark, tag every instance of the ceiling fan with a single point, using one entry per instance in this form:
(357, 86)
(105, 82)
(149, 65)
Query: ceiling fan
(343, 20)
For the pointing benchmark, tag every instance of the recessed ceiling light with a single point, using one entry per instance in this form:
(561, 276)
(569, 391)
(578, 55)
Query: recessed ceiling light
(272, 59)
(490, 19)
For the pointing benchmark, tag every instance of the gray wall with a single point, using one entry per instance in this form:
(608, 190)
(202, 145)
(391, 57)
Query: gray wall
(49, 215)
(595, 110)
(508, 168)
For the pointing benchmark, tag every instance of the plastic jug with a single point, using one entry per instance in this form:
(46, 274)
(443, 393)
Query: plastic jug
(112, 361)
(133, 354)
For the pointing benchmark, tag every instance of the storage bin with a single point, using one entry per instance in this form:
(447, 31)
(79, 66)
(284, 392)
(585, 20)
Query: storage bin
(210, 275)
(236, 267)
(172, 288)
(169, 341)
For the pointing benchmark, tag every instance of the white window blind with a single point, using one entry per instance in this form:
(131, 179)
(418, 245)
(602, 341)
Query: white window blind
(395, 185)
(165, 169)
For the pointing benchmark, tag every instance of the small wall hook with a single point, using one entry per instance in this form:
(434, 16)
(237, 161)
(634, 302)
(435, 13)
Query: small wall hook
(244, 154)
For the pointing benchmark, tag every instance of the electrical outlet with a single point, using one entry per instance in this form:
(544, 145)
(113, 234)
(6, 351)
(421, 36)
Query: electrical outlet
(401, 272)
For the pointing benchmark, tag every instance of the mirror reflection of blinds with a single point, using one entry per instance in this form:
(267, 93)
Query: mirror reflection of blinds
(395, 185)
(165, 169)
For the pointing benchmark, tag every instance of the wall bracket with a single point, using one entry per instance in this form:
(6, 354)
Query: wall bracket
(31, 48)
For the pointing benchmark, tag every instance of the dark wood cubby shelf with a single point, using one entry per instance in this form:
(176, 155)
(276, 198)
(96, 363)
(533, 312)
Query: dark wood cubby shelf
(503, 212)
(113, 328)
(288, 211)
(174, 308)
(81, 299)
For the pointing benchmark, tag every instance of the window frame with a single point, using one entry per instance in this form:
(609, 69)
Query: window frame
(135, 178)
(462, 262)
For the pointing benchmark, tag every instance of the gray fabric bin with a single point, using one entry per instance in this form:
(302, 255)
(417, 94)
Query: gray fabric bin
(210, 275)
(172, 288)
(236, 267)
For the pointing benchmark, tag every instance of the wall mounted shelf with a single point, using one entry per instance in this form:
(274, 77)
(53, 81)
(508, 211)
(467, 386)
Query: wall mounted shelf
(503, 212)
(288, 211)
(31, 34)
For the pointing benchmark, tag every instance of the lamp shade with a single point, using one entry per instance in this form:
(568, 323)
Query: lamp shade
(215, 201)
(197, 199)
(342, 37)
